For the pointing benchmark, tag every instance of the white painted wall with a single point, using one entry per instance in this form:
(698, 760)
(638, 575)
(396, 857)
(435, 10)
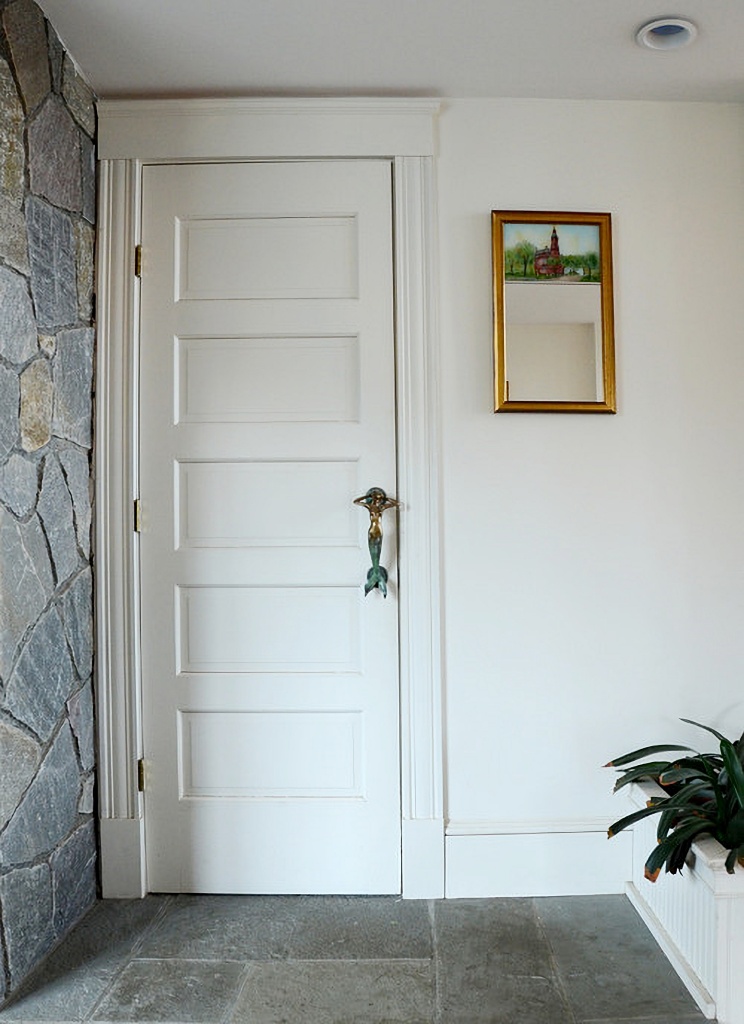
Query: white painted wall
(594, 565)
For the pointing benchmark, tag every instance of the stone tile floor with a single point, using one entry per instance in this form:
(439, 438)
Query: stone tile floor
(357, 960)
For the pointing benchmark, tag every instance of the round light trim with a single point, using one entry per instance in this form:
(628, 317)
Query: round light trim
(666, 34)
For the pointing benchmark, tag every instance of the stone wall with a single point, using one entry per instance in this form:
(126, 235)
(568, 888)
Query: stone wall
(47, 211)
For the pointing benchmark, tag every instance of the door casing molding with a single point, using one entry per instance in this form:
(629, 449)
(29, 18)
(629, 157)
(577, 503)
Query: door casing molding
(134, 133)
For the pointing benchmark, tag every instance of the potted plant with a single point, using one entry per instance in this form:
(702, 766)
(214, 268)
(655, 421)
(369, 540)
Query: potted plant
(703, 794)
(697, 919)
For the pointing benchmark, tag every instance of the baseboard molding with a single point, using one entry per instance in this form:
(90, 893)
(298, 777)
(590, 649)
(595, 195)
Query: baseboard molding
(123, 872)
(423, 859)
(537, 864)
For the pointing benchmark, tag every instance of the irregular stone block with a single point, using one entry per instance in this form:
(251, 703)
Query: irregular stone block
(73, 381)
(12, 151)
(74, 878)
(51, 250)
(80, 711)
(55, 510)
(79, 96)
(36, 405)
(48, 344)
(26, 33)
(76, 468)
(19, 484)
(17, 323)
(28, 909)
(10, 401)
(86, 803)
(13, 245)
(77, 615)
(27, 583)
(43, 677)
(84, 248)
(19, 759)
(13, 241)
(48, 811)
(88, 156)
(54, 156)
(56, 57)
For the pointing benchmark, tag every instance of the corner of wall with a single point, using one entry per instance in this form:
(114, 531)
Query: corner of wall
(47, 754)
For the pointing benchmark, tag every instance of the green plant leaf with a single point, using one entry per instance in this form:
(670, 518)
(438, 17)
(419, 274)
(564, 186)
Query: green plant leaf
(630, 819)
(734, 769)
(732, 835)
(635, 755)
(707, 728)
(671, 775)
(650, 770)
(684, 832)
(731, 861)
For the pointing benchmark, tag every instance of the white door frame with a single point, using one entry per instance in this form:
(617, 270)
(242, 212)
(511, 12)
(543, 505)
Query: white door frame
(137, 132)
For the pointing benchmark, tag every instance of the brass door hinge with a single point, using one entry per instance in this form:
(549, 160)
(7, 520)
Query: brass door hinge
(141, 775)
(138, 261)
(137, 516)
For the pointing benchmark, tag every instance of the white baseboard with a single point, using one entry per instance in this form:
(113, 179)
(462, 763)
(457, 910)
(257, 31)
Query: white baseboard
(537, 864)
(423, 859)
(123, 874)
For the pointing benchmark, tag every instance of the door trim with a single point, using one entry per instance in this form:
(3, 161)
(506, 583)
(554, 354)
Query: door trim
(136, 132)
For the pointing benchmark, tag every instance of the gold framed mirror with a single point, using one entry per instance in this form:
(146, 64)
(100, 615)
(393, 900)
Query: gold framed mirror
(554, 342)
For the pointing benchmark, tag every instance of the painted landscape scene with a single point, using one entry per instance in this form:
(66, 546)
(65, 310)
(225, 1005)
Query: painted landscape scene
(552, 253)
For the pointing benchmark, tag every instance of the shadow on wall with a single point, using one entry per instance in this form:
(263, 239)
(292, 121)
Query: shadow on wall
(47, 212)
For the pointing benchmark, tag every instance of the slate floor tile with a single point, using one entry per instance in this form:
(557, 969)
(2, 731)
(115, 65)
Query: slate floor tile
(57, 996)
(223, 928)
(361, 927)
(608, 961)
(190, 992)
(337, 992)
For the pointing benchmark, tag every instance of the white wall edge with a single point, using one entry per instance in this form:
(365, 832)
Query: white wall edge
(232, 129)
(537, 864)
(123, 873)
(117, 666)
(417, 377)
(686, 974)
(118, 687)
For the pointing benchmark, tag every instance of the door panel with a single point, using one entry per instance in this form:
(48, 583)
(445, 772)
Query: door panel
(267, 404)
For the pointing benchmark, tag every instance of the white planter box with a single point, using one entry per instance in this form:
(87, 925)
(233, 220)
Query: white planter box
(697, 917)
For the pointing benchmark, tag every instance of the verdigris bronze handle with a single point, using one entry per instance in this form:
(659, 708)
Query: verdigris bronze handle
(376, 502)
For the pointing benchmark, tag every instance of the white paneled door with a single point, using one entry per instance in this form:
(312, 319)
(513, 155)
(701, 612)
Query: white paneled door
(270, 682)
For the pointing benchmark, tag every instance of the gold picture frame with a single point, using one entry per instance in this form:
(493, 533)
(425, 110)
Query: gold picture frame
(554, 338)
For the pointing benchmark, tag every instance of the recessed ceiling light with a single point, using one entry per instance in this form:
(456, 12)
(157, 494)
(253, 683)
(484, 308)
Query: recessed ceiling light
(666, 34)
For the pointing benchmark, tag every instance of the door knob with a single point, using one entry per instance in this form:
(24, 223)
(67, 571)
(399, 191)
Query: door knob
(376, 502)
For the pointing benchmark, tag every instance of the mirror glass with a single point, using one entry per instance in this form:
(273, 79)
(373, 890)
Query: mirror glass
(553, 321)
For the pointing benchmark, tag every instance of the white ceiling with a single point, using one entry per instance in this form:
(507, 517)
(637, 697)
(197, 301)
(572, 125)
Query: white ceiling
(456, 48)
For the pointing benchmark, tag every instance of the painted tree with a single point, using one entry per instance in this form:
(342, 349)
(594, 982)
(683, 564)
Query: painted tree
(525, 252)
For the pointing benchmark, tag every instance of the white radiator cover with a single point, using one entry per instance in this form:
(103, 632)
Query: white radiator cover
(697, 917)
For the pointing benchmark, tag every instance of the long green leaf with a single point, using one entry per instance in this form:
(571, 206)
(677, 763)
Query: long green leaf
(707, 728)
(635, 755)
(681, 834)
(732, 835)
(734, 769)
(671, 775)
(650, 770)
(631, 819)
(732, 859)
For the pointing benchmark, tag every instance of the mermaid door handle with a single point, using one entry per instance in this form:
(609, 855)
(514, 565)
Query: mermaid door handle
(376, 501)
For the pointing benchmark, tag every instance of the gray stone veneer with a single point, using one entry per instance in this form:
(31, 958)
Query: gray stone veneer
(47, 753)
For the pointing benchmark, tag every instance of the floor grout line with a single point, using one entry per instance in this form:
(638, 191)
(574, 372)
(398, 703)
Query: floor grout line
(553, 960)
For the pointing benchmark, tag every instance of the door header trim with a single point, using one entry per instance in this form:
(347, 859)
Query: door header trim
(234, 129)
